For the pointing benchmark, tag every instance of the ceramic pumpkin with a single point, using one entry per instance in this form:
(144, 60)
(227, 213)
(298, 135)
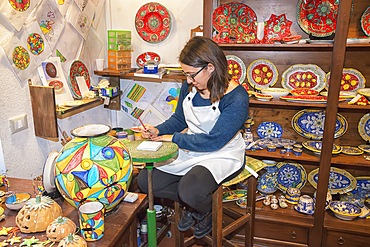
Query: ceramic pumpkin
(72, 241)
(37, 214)
(60, 228)
(93, 167)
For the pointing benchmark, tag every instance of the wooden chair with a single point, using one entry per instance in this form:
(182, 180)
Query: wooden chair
(219, 233)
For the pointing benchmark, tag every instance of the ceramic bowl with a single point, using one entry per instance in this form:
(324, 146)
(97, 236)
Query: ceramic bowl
(345, 210)
(263, 97)
(305, 205)
(269, 162)
(276, 93)
(17, 201)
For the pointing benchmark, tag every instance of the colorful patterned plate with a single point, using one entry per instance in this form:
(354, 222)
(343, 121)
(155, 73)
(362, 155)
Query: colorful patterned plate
(347, 95)
(345, 210)
(303, 76)
(145, 57)
(262, 74)
(277, 27)
(275, 142)
(78, 68)
(340, 181)
(236, 68)
(319, 17)
(153, 22)
(363, 183)
(236, 19)
(263, 97)
(309, 123)
(304, 91)
(315, 146)
(269, 130)
(352, 80)
(288, 173)
(364, 91)
(364, 127)
(243, 202)
(365, 148)
(308, 99)
(365, 21)
(351, 150)
(233, 195)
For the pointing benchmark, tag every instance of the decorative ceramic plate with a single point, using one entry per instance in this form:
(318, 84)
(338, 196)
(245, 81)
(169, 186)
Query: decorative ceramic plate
(309, 123)
(269, 129)
(304, 91)
(352, 80)
(275, 92)
(308, 99)
(347, 95)
(262, 74)
(319, 17)
(345, 210)
(236, 19)
(365, 148)
(288, 173)
(263, 97)
(364, 127)
(363, 183)
(365, 21)
(145, 57)
(72, 103)
(274, 142)
(351, 150)
(277, 27)
(91, 130)
(315, 146)
(243, 202)
(364, 91)
(340, 181)
(56, 84)
(303, 76)
(233, 195)
(236, 68)
(153, 22)
(48, 176)
(78, 68)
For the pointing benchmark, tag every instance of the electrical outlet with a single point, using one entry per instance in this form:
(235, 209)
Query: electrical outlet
(18, 123)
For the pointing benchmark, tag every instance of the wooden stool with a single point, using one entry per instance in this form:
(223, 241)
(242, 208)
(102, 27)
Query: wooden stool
(218, 233)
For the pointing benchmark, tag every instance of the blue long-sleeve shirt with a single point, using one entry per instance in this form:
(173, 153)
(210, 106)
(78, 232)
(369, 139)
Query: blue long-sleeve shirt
(234, 112)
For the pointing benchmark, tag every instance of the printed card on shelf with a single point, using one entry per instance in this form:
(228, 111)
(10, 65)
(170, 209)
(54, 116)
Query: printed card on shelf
(149, 146)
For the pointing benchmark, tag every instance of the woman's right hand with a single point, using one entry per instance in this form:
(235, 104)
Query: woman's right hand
(150, 131)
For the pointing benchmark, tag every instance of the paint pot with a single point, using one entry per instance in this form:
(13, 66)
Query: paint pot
(117, 129)
(271, 149)
(130, 134)
(138, 136)
(297, 151)
(289, 149)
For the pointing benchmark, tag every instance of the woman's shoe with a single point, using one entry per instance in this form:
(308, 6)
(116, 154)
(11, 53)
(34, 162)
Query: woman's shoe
(204, 226)
(186, 221)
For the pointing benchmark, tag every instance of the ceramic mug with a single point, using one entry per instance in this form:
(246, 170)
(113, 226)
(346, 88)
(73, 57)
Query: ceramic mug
(91, 217)
(305, 205)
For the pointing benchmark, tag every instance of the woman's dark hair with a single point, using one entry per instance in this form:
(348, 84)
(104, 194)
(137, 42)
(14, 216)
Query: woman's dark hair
(198, 52)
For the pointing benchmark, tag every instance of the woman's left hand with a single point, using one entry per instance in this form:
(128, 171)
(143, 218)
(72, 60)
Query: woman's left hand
(164, 138)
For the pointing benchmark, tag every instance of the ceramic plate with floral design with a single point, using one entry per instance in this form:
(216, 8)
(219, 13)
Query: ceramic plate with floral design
(270, 130)
(237, 20)
(288, 173)
(78, 68)
(365, 21)
(277, 27)
(364, 91)
(275, 142)
(243, 202)
(308, 76)
(365, 148)
(236, 68)
(309, 123)
(145, 57)
(364, 127)
(308, 99)
(351, 150)
(304, 91)
(315, 146)
(340, 181)
(263, 97)
(153, 22)
(262, 74)
(233, 195)
(345, 210)
(352, 80)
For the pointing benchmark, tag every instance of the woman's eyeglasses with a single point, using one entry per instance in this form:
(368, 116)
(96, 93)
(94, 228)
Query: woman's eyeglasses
(192, 77)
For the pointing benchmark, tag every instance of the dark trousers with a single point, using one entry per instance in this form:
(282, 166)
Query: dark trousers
(193, 189)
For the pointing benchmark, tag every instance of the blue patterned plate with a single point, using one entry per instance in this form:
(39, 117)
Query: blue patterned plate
(340, 181)
(310, 124)
(351, 150)
(364, 127)
(365, 148)
(274, 142)
(345, 210)
(363, 183)
(269, 129)
(288, 173)
(315, 146)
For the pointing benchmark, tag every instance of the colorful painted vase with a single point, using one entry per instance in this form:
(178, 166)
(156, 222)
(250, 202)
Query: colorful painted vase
(93, 167)
(293, 194)
(267, 182)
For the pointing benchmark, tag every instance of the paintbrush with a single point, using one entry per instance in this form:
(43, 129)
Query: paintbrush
(142, 124)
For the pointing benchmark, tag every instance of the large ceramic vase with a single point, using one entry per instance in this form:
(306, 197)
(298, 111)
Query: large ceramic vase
(267, 182)
(93, 167)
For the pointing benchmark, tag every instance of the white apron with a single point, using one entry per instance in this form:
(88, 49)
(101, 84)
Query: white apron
(220, 163)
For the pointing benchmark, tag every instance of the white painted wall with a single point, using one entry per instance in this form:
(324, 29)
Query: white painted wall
(23, 152)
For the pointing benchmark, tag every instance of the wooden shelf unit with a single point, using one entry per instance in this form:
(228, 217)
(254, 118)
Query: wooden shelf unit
(286, 227)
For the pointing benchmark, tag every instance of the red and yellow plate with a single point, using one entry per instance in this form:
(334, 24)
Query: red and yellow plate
(307, 99)
(304, 91)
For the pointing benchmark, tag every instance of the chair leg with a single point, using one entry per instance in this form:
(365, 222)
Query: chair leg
(251, 204)
(179, 236)
(217, 217)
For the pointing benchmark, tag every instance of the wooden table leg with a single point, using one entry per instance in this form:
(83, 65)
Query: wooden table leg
(133, 232)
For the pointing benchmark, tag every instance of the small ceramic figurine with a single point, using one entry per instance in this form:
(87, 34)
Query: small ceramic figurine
(305, 205)
(274, 206)
(292, 194)
(274, 200)
(267, 201)
(282, 202)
